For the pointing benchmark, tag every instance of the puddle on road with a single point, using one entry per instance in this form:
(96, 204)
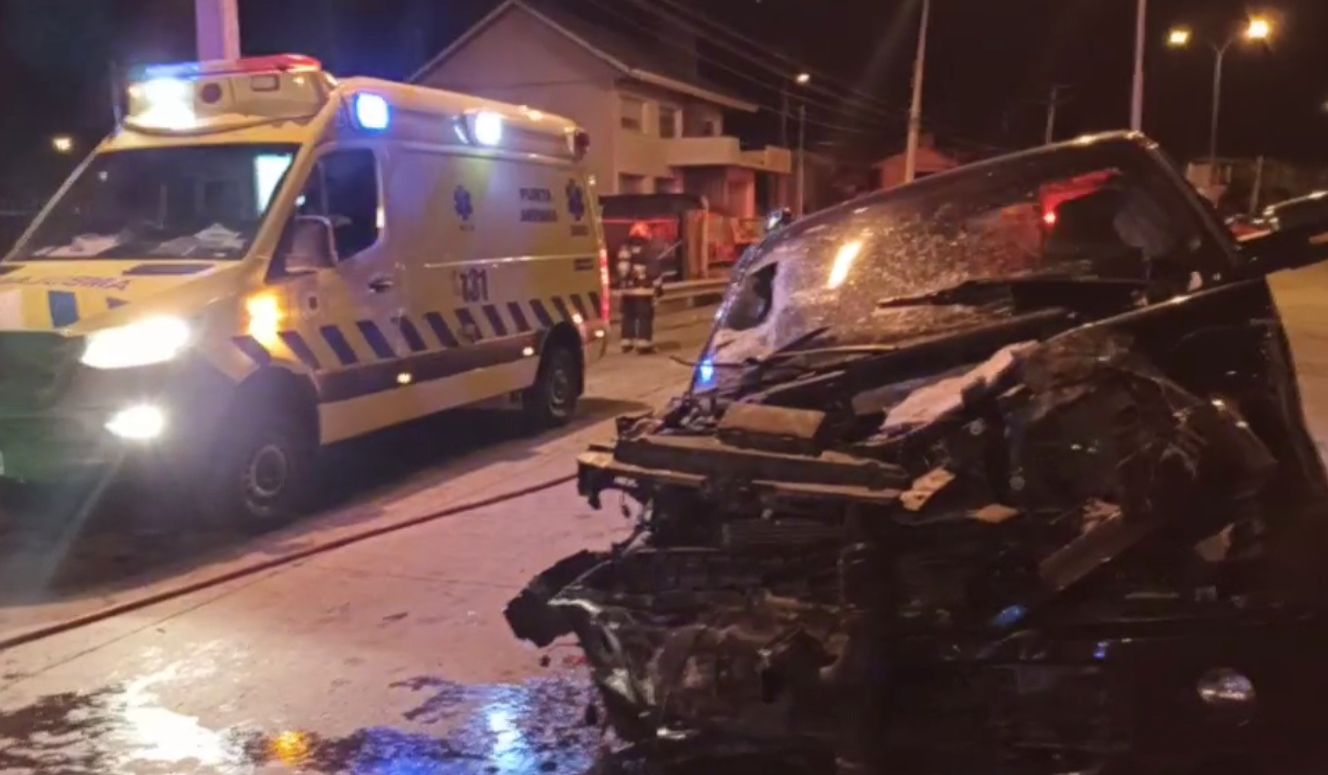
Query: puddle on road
(534, 727)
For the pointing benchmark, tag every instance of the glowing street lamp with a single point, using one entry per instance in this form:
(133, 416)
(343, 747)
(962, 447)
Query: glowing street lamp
(62, 144)
(802, 79)
(1259, 28)
(1256, 29)
(1179, 37)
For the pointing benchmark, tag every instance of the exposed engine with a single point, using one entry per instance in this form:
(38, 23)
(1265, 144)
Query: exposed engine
(922, 577)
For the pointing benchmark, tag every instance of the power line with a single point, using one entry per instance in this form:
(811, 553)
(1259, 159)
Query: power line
(747, 77)
(783, 74)
(789, 61)
(892, 115)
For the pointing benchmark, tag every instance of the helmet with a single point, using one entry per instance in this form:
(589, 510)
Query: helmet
(779, 218)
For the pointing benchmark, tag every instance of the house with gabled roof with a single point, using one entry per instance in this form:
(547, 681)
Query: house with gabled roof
(655, 125)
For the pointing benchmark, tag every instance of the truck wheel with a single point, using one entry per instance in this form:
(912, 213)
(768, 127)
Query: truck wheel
(551, 401)
(265, 468)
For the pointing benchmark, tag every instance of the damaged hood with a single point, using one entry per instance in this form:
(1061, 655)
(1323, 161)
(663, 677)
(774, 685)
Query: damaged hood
(960, 483)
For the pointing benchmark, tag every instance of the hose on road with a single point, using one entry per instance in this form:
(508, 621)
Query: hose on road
(128, 606)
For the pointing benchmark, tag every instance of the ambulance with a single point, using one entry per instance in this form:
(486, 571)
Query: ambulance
(262, 260)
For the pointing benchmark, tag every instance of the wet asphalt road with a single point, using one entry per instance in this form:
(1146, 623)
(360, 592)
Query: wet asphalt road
(388, 656)
(385, 656)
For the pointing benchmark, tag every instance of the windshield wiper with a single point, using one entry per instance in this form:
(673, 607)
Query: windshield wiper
(966, 293)
(790, 346)
(972, 293)
(778, 354)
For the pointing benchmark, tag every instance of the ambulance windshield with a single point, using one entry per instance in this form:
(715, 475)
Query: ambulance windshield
(201, 202)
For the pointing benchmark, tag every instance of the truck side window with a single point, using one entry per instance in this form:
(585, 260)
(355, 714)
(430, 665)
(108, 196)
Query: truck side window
(344, 188)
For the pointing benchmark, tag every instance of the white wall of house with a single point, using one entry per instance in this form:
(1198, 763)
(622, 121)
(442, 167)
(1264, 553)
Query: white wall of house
(635, 128)
(650, 120)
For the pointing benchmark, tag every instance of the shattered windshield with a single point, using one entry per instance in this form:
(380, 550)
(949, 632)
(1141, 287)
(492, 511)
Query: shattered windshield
(203, 202)
(1063, 215)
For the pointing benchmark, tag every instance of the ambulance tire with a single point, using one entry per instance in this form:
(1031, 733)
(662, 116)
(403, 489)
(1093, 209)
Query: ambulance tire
(265, 469)
(551, 401)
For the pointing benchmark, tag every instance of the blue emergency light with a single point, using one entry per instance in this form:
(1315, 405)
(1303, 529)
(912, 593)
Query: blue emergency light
(372, 111)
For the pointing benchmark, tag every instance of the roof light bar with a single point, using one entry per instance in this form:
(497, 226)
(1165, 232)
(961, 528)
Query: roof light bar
(281, 63)
(170, 103)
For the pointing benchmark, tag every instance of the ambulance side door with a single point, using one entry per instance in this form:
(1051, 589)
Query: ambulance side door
(347, 311)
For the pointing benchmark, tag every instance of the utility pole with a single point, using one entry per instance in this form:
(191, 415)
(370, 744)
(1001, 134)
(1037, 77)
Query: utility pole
(784, 117)
(217, 28)
(1053, 102)
(802, 160)
(1213, 120)
(1140, 40)
(915, 108)
(1258, 184)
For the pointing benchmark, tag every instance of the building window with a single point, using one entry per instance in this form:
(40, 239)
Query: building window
(631, 184)
(710, 128)
(669, 120)
(631, 113)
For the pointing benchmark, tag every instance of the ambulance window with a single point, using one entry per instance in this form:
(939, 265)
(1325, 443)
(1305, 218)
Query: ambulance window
(344, 187)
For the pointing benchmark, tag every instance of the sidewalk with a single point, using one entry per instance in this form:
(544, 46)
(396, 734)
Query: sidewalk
(689, 324)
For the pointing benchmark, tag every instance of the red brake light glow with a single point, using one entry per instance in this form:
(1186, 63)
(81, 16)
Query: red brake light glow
(277, 63)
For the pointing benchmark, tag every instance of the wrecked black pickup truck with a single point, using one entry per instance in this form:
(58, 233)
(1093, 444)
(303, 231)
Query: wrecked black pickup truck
(1006, 470)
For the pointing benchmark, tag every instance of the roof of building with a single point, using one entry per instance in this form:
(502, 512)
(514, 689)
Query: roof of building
(633, 57)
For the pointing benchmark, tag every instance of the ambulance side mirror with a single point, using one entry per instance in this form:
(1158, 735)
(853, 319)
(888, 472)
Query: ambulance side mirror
(307, 246)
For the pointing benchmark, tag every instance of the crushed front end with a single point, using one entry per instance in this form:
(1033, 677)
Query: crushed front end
(1055, 539)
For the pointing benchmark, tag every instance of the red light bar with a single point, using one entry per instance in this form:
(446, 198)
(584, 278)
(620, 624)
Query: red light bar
(277, 63)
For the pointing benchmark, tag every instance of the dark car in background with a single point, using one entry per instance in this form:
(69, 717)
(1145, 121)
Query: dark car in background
(1002, 471)
(1308, 210)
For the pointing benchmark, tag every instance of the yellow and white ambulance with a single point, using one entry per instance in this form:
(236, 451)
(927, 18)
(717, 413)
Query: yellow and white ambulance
(262, 260)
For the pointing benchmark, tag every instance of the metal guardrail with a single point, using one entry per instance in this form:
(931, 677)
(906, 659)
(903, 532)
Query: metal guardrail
(686, 294)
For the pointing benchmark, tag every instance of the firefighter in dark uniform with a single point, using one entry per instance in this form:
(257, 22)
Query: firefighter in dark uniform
(641, 282)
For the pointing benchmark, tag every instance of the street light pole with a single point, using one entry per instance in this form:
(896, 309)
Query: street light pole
(800, 194)
(802, 159)
(1218, 64)
(784, 116)
(217, 28)
(1140, 40)
(915, 108)
(1257, 29)
(1052, 102)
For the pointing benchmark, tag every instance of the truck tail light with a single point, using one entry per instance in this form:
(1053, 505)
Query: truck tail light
(605, 299)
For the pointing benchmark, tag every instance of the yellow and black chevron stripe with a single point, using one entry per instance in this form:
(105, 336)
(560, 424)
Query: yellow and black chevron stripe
(439, 344)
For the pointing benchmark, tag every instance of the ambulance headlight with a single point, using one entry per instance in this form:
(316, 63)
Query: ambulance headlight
(155, 340)
(141, 422)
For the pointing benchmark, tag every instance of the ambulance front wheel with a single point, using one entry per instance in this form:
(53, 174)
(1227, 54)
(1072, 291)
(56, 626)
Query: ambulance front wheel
(551, 401)
(265, 468)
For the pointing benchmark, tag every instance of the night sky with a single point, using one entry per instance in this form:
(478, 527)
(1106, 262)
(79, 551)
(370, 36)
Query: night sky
(990, 65)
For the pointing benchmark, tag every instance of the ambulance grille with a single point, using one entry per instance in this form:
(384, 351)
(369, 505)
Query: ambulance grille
(34, 368)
